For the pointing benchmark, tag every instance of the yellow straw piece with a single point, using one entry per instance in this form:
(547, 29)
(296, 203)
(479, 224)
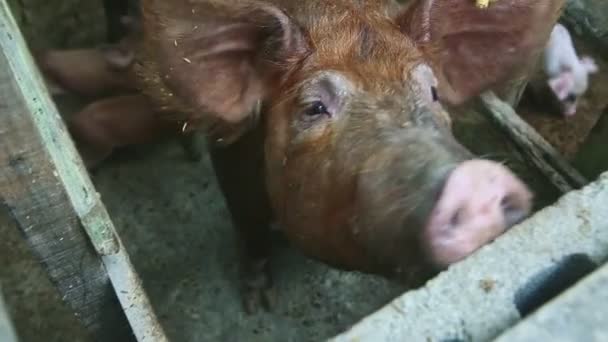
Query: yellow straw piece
(483, 3)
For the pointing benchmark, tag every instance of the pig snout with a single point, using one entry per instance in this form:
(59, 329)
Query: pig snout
(480, 200)
(569, 110)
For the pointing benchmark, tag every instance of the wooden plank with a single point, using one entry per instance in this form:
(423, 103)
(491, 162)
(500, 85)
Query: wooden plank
(535, 147)
(35, 100)
(7, 331)
(51, 198)
(31, 188)
(32, 300)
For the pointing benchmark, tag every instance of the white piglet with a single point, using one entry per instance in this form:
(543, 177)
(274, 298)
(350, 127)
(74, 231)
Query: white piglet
(568, 75)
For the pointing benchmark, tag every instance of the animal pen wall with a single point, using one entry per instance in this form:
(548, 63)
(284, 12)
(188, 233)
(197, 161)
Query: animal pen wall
(143, 250)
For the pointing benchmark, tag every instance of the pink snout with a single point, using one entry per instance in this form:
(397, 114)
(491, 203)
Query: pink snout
(480, 200)
(569, 110)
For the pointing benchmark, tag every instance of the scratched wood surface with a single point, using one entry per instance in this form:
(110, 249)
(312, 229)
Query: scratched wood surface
(32, 301)
(7, 331)
(47, 193)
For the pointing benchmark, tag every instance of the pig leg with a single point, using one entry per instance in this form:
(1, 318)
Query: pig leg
(240, 172)
(190, 144)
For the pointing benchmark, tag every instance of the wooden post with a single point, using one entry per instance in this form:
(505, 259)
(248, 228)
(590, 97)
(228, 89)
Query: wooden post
(7, 331)
(51, 198)
(535, 147)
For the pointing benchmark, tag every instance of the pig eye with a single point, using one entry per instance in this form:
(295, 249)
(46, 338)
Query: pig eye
(434, 94)
(571, 97)
(317, 108)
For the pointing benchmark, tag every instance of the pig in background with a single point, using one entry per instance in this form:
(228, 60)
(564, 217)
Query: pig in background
(116, 114)
(567, 73)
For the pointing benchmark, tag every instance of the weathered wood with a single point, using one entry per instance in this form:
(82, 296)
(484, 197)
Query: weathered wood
(51, 198)
(25, 80)
(535, 148)
(32, 300)
(7, 331)
(32, 188)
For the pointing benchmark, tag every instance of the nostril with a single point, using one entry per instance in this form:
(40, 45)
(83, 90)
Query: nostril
(512, 211)
(507, 204)
(455, 219)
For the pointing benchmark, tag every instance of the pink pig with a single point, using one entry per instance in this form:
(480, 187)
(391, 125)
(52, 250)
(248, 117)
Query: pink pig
(568, 75)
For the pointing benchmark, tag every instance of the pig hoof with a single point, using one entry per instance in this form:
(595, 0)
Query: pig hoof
(258, 290)
(259, 297)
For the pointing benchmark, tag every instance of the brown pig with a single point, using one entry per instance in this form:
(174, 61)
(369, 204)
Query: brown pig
(351, 150)
(120, 121)
(92, 72)
(113, 122)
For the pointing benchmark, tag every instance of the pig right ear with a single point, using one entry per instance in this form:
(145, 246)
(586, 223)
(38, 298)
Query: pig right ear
(589, 64)
(473, 49)
(561, 85)
(216, 57)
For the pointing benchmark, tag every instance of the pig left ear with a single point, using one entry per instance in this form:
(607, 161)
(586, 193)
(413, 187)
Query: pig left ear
(474, 49)
(589, 64)
(217, 57)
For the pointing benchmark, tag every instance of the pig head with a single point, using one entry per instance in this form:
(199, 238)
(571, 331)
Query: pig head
(568, 74)
(357, 161)
(92, 72)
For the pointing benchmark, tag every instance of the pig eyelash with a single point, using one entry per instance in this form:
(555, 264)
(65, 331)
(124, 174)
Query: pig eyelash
(434, 94)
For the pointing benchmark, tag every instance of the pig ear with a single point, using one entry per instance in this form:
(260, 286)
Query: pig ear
(589, 64)
(561, 85)
(474, 49)
(216, 56)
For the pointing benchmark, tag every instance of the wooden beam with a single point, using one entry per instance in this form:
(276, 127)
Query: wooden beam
(32, 188)
(50, 196)
(7, 331)
(32, 300)
(535, 147)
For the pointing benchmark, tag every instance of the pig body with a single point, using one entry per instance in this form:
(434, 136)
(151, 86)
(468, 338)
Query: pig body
(328, 118)
(93, 72)
(119, 121)
(118, 116)
(567, 73)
